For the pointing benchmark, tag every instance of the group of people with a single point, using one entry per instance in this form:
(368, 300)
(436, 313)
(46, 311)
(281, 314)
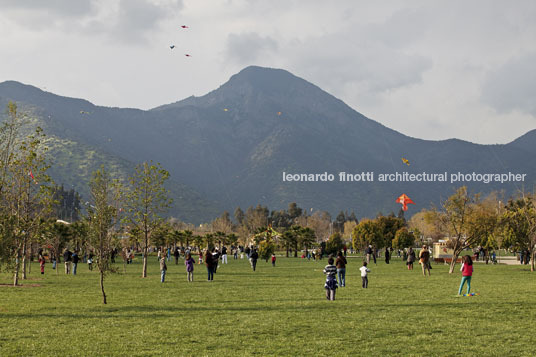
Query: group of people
(335, 273)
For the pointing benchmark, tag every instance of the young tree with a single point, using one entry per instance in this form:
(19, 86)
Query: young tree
(146, 201)
(365, 233)
(26, 197)
(465, 218)
(519, 222)
(334, 244)
(102, 219)
(403, 239)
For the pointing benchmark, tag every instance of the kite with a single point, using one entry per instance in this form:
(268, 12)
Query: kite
(279, 113)
(184, 27)
(404, 200)
(83, 112)
(187, 55)
(172, 46)
(471, 294)
(32, 176)
(225, 109)
(405, 161)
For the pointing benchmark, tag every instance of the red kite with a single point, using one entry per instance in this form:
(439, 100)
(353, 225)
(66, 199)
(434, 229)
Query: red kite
(404, 200)
(184, 27)
(32, 176)
(187, 55)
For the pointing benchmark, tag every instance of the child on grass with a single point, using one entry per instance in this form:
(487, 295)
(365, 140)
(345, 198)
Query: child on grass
(163, 268)
(331, 283)
(467, 273)
(189, 262)
(364, 275)
(273, 259)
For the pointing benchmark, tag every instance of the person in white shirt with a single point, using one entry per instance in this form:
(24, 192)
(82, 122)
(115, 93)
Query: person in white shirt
(364, 273)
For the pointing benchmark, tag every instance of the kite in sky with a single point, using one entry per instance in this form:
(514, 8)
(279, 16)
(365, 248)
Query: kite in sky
(83, 112)
(405, 161)
(279, 113)
(187, 55)
(225, 109)
(172, 46)
(184, 27)
(404, 200)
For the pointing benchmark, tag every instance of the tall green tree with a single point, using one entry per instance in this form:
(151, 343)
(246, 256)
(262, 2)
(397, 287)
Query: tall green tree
(146, 201)
(365, 233)
(519, 223)
(102, 220)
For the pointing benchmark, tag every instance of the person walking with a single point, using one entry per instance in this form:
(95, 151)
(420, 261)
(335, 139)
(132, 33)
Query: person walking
(364, 275)
(253, 258)
(163, 269)
(67, 258)
(368, 252)
(340, 263)
(331, 283)
(467, 273)
(75, 259)
(41, 261)
(411, 258)
(176, 254)
(273, 259)
(224, 255)
(189, 262)
(209, 264)
(424, 259)
(387, 255)
(90, 261)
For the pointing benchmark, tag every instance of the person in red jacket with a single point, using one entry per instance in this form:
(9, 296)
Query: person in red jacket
(467, 273)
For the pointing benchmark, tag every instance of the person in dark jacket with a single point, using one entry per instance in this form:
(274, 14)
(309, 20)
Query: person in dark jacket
(340, 263)
(253, 258)
(209, 263)
(387, 255)
(176, 254)
(67, 258)
(75, 259)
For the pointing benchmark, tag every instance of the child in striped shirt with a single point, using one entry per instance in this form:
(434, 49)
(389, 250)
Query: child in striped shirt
(331, 283)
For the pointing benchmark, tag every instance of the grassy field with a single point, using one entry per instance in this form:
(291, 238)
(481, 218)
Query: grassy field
(271, 312)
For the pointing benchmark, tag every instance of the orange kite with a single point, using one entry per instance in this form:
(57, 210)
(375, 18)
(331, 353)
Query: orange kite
(404, 200)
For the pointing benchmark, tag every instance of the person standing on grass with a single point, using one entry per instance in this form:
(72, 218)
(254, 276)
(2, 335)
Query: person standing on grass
(215, 260)
(364, 275)
(387, 255)
(90, 261)
(467, 273)
(224, 255)
(210, 264)
(273, 259)
(67, 258)
(75, 259)
(253, 258)
(176, 254)
(41, 261)
(200, 256)
(189, 262)
(340, 263)
(411, 258)
(163, 269)
(368, 252)
(424, 259)
(374, 253)
(331, 283)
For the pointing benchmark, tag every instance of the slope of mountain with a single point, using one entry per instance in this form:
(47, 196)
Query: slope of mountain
(233, 144)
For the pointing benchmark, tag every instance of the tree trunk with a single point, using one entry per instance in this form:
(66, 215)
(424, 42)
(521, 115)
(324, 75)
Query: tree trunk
(453, 262)
(296, 251)
(144, 273)
(287, 250)
(16, 275)
(24, 261)
(102, 287)
(533, 255)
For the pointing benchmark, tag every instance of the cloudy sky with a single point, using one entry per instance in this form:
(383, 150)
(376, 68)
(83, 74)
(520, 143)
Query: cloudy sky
(429, 69)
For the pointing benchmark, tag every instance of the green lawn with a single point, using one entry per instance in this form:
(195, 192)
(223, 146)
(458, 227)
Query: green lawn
(272, 312)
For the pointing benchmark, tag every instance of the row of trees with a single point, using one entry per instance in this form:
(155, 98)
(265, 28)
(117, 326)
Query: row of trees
(30, 204)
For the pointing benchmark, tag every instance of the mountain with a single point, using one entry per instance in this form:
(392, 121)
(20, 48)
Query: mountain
(231, 146)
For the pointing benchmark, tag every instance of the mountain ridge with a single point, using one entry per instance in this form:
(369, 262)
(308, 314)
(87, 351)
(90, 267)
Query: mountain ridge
(232, 144)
